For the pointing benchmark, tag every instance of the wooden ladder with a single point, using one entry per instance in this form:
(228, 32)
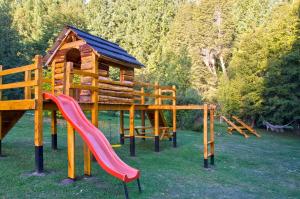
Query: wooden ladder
(234, 127)
(251, 130)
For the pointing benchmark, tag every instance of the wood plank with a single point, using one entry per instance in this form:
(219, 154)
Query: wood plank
(38, 95)
(114, 87)
(17, 70)
(251, 130)
(71, 151)
(238, 129)
(116, 93)
(85, 73)
(74, 44)
(18, 85)
(126, 84)
(205, 148)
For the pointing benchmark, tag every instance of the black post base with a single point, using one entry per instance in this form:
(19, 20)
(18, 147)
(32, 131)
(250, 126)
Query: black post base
(212, 160)
(132, 146)
(174, 140)
(139, 185)
(54, 141)
(122, 139)
(156, 144)
(39, 160)
(205, 163)
(125, 190)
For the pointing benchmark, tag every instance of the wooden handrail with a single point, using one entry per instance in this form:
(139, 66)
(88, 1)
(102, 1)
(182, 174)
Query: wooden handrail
(84, 73)
(46, 80)
(148, 85)
(18, 85)
(17, 70)
(84, 87)
(115, 82)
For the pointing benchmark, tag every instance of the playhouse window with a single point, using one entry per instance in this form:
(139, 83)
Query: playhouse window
(114, 73)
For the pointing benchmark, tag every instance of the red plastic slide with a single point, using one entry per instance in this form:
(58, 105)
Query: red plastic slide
(94, 138)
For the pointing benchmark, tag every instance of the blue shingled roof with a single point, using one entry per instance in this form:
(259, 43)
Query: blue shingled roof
(105, 47)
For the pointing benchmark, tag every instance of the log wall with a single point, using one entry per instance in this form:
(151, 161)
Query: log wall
(110, 92)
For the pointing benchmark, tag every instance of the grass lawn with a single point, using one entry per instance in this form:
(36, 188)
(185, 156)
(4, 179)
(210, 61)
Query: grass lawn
(268, 167)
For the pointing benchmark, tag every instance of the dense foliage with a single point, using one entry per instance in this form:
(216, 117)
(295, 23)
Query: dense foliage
(240, 54)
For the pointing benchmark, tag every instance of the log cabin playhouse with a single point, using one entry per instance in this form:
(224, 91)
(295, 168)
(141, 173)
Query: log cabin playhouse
(80, 65)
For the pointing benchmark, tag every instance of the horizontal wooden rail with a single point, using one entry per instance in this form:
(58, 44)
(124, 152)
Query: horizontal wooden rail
(115, 82)
(139, 93)
(84, 73)
(18, 85)
(143, 84)
(17, 70)
(167, 88)
(47, 81)
(84, 87)
(24, 104)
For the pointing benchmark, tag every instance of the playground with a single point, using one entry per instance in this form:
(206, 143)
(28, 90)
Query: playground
(173, 173)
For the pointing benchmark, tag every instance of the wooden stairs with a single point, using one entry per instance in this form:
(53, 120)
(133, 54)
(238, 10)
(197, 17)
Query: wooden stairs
(7, 121)
(241, 127)
(164, 129)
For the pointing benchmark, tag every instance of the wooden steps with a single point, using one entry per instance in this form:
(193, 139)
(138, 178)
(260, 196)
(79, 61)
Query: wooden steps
(7, 121)
(241, 127)
(235, 127)
(245, 126)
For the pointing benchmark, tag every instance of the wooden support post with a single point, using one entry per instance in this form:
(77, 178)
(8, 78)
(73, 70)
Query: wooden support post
(54, 130)
(94, 114)
(121, 127)
(38, 115)
(156, 120)
(68, 79)
(53, 67)
(205, 151)
(143, 112)
(87, 160)
(1, 136)
(71, 151)
(212, 136)
(131, 130)
(174, 116)
(27, 90)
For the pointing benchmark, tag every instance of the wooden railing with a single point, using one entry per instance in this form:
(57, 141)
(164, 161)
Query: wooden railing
(144, 92)
(123, 92)
(32, 79)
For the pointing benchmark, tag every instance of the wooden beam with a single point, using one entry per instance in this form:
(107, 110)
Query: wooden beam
(54, 130)
(212, 135)
(17, 70)
(74, 44)
(205, 151)
(122, 127)
(174, 117)
(71, 151)
(87, 160)
(18, 85)
(38, 115)
(27, 90)
(18, 105)
(131, 131)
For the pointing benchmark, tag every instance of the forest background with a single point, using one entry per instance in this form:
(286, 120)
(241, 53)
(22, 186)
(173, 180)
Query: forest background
(242, 55)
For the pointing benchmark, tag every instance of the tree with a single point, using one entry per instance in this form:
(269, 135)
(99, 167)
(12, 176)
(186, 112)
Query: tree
(264, 86)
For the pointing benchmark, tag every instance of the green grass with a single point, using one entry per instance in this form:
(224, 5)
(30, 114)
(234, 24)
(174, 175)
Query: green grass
(268, 167)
